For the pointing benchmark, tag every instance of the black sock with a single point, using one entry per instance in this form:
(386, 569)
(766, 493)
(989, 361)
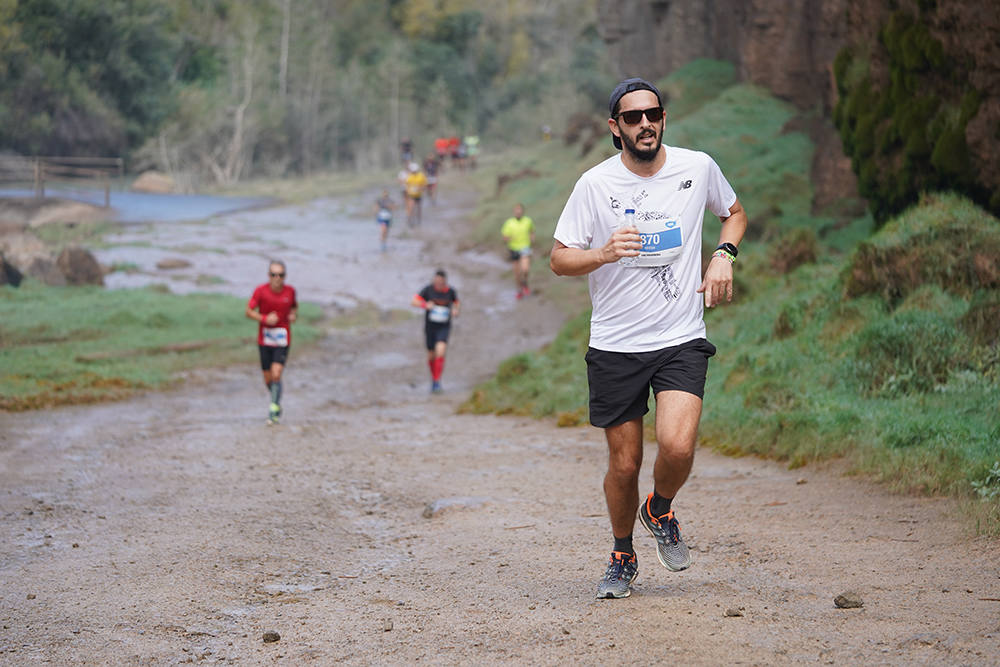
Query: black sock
(624, 545)
(659, 505)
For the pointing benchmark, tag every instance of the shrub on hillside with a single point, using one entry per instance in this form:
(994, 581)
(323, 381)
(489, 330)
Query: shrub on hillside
(909, 352)
(945, 241)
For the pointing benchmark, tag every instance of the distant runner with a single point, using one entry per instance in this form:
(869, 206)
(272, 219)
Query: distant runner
(383, 216)
(472, 149)
(274, 306)
(519, 232)
(431, 165)
(415, 184)
(440, 303)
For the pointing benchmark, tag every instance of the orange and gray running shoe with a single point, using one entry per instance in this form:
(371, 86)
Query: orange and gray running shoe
(618, 578)
(670, 548)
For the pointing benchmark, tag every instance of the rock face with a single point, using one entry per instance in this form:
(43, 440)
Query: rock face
(788, 47)
(79, 267)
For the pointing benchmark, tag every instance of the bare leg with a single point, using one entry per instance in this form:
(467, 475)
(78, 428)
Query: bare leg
(621, 483)
(525, 267)
(677, 417)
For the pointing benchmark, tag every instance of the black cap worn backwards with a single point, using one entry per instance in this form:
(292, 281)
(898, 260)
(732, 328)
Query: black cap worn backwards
(624, 88)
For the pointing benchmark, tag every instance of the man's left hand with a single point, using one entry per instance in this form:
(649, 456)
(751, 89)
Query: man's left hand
(718, 282)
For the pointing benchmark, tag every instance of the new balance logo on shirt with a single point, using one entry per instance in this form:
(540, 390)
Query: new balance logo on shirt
(684, 185)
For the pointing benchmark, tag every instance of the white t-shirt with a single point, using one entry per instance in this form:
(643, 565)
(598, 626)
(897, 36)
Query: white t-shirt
(648, 308)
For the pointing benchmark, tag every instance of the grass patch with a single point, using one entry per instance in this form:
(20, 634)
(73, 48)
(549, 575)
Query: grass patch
(62, 345)
(61, 235)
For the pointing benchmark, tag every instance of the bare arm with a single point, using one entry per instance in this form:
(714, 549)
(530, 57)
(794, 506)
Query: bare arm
(254, 315)
(718, 282)
(566, 261)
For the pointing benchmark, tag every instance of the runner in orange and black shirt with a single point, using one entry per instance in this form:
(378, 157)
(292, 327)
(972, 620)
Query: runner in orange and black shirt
(275, 307)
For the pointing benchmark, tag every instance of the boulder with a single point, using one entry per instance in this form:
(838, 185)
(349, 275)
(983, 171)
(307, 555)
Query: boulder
(9, 275)
(154, 182)
(79, 267)
(30, 257)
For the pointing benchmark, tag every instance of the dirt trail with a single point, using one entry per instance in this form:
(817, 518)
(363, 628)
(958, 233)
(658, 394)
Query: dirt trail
(376, 526)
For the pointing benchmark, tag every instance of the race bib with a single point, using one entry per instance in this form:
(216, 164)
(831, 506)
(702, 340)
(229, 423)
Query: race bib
(439, 314)
(275, 337)
(662, 243)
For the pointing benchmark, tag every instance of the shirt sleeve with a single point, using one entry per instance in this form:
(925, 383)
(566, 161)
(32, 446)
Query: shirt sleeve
(295, 300)
(254, 299)
(575, 228)
(454, 296)
(721, 195)
(425, 293)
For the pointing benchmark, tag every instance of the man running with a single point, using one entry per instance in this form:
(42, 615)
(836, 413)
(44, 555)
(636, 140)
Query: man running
(415, 183)
(519, 233)
(440, 303)
(383, 217)
(647, 326)
(431, 165)
(274, 306)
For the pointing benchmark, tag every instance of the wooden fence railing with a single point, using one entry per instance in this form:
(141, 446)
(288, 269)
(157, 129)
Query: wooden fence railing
(39, 170)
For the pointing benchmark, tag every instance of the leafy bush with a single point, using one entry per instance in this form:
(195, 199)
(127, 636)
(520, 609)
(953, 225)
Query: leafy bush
(907, 135)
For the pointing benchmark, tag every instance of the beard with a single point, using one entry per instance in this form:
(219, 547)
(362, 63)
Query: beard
(642, 154)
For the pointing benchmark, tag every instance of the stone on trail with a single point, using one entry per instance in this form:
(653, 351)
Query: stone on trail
(733, 613)
(432, 509)
(172, 263)
(271, 636)
(848, 600)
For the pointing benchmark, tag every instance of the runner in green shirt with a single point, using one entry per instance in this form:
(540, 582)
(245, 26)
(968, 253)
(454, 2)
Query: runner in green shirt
(519, 232)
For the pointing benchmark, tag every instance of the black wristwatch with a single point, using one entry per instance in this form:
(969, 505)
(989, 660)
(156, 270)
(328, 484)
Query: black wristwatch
(730, 248)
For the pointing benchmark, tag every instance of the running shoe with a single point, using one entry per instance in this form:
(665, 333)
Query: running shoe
(436, 387)
(670, 548)
(618, 578)
(274, 414)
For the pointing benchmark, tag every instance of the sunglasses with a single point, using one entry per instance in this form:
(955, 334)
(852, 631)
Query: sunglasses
(634, 117)
(277, 275)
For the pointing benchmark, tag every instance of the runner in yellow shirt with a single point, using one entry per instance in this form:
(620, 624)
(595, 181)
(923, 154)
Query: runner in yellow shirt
(519, 232)
(415, 184)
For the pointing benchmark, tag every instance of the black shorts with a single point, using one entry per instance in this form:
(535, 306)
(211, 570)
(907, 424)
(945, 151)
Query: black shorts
(620, 381)
(518, 254)
(436, 333)
(272, 355)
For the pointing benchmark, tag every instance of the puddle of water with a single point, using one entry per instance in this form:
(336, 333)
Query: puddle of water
(331, 250)
(145, 207)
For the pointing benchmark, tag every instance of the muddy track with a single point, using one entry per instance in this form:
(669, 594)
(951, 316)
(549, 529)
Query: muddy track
(376, 526)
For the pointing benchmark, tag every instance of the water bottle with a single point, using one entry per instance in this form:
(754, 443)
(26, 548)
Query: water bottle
(628, 222)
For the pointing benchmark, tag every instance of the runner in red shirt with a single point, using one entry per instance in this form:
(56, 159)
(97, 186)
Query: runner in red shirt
(273, 305)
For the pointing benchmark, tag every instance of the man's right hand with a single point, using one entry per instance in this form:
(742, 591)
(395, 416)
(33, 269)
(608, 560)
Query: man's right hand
(271, 319)
(624, 242)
